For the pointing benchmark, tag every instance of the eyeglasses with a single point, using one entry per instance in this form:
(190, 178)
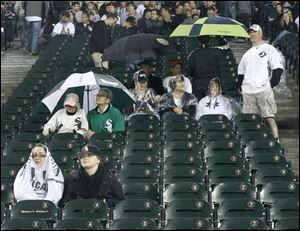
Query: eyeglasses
(34, 155)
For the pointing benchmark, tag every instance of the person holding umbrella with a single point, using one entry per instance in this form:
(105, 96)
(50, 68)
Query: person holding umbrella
(70, 119)
(105, 118)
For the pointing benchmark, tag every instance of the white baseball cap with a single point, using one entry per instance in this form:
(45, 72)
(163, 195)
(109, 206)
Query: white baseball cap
(255, 27)
(71, 99)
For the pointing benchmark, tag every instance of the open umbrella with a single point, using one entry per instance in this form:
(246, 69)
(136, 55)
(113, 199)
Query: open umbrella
(215, 25)
(139, 47)
(86, 85)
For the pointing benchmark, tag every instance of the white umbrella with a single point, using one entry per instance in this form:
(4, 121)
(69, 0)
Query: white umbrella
(90, 83)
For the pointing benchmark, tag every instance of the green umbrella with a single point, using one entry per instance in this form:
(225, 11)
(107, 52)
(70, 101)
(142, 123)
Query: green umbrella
(215, 25)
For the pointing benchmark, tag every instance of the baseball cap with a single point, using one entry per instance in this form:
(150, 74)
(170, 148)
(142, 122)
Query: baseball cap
(90, 150)
(71, 99)
(105, 92)
(142, 77)
(254, 27)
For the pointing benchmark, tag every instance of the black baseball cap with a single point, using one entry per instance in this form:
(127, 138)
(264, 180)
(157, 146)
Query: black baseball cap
(90, 150)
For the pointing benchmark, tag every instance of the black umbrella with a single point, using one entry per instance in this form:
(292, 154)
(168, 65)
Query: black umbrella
(139, 47)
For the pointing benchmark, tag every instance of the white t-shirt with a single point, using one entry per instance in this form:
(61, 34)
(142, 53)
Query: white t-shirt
(178, 102)
(66, 28)
(297, 22)
(33, 18)
(256, 65)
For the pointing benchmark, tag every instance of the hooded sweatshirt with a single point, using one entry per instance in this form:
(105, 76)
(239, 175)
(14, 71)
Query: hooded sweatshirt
(219, 104)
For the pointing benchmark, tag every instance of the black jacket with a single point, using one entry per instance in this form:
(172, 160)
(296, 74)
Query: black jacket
(101, 185)
(101, 37)
(81, 29)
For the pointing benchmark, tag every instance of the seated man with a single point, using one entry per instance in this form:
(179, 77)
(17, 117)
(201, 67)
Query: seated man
(86, 26)
(105, 118)
(178, 101)
(40, 178)
(176, 69)
(64, 26)
(216, 103)
(92, 180)
(70, 119)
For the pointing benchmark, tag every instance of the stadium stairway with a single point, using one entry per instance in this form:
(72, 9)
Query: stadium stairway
(287, 112)
(15, 64)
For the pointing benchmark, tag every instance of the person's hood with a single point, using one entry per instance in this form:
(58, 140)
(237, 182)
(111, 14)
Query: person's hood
(210, 82)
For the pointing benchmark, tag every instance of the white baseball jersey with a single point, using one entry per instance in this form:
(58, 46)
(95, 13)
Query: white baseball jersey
(256, 65)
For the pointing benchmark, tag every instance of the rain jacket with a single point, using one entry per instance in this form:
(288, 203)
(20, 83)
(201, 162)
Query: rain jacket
(219, 104)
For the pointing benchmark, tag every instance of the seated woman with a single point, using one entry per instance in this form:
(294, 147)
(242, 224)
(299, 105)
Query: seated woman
(216, 103)
(145, 98)
(70, 119)
(40, 178)
(176, 69)
(177, 101)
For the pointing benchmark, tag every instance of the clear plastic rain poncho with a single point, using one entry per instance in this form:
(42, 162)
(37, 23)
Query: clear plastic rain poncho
(144, 98)
(167, 102)
(219, 104)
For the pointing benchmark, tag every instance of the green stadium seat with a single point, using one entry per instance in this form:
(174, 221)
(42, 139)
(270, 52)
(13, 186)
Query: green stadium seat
(35, 209)
(287, 224)
(255, 135)
(261, 146)
(133, 224)
(186, 223)
(141, 127)
(221, 161)
(29, 137)
(147, 161)
(189, 208)
(183, 161)
(7, 194)
(222, 147)
(284, 208)
(78, 224)
(148, 119)
(19, 159)
(64, 161)
(116, 138)
(75, 139)
(273, 191)
(233, 190)
(182, 147)
(241, 208)
(247, 117)
(3, 213)
(217, 118)
(86, 209)
(171, 136)
(216, 136)
(172, 119)
(111, 163)
(228, 174)
(25, 224)
(260, 161)
(141, 191)
(184, 174)
(138, 208)
(185, 190)
(251, 126)
(108, 148)
(9, 171)
(138, 175)
(215, 127)
(143, 136)
(142, 148)
(268, 174)
(244, 223)
(16, 147)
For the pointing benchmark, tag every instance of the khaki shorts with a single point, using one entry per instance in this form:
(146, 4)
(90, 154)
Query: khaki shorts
(97, 57)
(262, 103)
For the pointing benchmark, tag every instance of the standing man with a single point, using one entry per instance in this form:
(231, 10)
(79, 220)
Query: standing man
(101, 39)
(256, 66)
(35, 12)
(105, 118)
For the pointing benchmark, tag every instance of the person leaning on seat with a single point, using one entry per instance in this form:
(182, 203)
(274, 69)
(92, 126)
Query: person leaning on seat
(105, 118)
(92, 180)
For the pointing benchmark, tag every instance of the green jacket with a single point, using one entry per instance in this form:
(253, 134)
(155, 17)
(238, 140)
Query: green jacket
(111, 120)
